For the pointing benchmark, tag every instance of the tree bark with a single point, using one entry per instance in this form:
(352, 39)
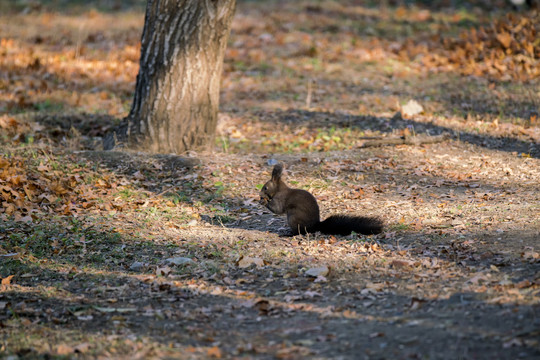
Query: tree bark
(177, 90)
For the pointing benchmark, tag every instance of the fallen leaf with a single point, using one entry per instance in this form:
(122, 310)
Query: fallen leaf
(63, 349)
(7, 280)
(82, 348)
(478, 278)
(214, 352)
(136, 266)
(401, 264)
(318, 271)
(312, 294)
(163, 271)
(25, 219)
(111, 310)
(320, 278)
(412, 108)
(375, 286)
(43, 168)
(179, 261)
(505, 39)
(245, 262)
(512, 343)
(530, 255)
(416, 303)
(139, 176)
(523, 284)
(264, 306)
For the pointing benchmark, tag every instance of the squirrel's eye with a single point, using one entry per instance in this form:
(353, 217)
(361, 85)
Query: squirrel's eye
(264, 187)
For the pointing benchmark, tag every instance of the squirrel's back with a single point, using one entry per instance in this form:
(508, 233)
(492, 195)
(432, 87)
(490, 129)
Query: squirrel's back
(302, 211)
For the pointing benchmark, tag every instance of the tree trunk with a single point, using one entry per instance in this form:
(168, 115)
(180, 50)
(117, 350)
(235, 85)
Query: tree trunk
(177, 92)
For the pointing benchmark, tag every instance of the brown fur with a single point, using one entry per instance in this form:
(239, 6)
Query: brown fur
(303, 211)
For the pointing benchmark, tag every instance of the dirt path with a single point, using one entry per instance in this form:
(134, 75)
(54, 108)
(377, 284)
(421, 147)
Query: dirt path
(455, 274)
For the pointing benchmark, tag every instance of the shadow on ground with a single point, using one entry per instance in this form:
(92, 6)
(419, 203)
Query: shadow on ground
(326, 120)
(252, 312)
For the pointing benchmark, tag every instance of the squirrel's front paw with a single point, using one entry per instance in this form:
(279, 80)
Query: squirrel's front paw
(263, 201)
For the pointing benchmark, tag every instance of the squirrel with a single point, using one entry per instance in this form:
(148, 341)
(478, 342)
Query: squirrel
(303, 212)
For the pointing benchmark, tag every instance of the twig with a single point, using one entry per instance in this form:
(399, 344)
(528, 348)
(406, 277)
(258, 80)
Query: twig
(408, 140)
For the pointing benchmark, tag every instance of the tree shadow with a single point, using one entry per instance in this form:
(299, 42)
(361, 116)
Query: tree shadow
(71, 6)
(464, 96)
(283, 308)
(340, 320)
(328, 120)
(246, 312)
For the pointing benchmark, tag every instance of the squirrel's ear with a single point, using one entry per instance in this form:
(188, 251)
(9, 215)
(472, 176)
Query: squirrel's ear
(277, 172)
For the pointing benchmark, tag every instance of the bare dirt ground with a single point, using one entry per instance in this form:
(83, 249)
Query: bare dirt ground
(122, 254)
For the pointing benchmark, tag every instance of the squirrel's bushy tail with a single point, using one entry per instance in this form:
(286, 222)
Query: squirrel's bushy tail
(344, 225)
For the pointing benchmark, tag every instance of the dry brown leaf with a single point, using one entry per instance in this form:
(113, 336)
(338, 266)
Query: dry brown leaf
(401, 264)
(25, 219)
(163, 271)
(479, 277)
(139, 176)
(43, 168)
(505, 39)
(412, 108)
(4, 163)
(375, 286)
(64, 349)
(58, 188)
(7, 280)
(523, 284)
(264, 306)
(245, 262)
(416, 303)
(530, 255)
(318, 271)
(82, 348)
(214, 352)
